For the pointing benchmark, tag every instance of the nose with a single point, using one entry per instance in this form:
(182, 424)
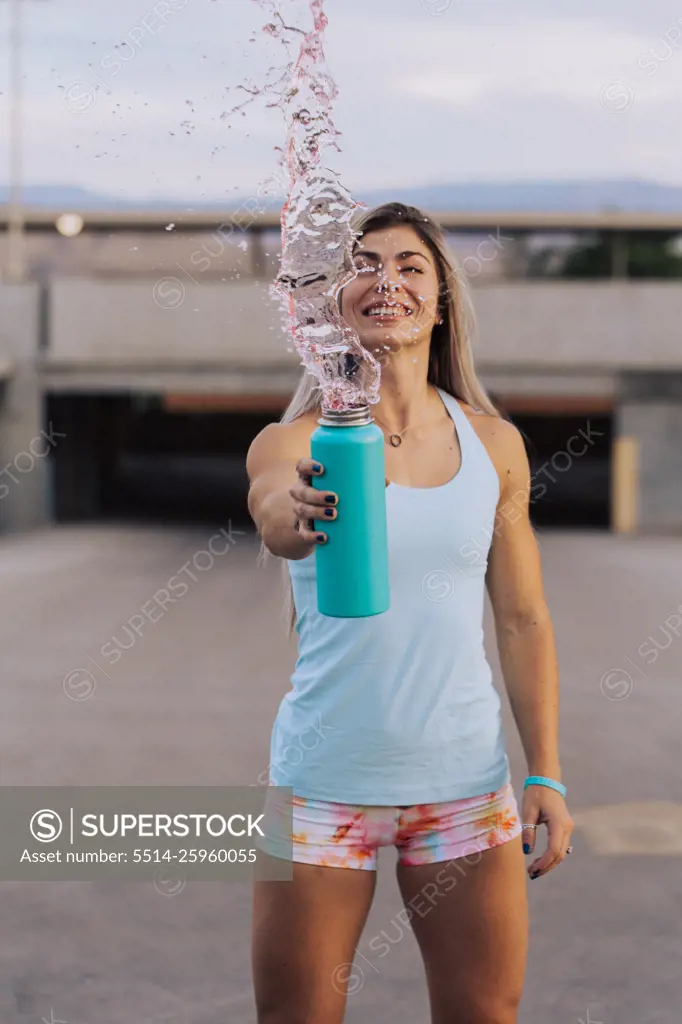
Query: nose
(384, 283)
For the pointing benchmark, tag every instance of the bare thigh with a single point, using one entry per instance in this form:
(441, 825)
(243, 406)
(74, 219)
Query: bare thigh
(305, 933)
(470, 919)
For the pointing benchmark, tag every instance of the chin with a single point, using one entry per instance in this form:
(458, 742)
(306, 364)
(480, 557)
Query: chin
(375, 341)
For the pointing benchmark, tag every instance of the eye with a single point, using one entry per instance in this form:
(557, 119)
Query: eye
(416, 270)
(364, 268)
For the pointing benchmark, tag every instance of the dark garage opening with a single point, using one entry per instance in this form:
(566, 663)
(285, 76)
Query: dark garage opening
(570, 460)
(127, 457)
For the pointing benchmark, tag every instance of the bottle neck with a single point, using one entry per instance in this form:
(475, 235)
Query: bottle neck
(359, 416)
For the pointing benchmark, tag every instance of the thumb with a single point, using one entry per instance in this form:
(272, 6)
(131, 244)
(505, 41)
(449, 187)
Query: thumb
(529, 817)
(528, 835)
(387, 481)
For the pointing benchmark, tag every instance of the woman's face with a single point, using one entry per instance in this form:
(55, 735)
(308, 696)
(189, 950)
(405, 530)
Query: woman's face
(393, 301)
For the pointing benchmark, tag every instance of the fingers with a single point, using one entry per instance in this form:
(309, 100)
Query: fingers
(546, 808)
(558, 840)
(311, 536)
(307, 468)
(312, 505)
(551, 858)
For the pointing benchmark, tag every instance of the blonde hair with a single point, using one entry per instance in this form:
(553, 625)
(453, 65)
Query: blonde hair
(451, 364)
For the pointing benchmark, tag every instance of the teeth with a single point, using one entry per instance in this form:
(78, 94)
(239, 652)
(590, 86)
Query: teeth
(389, 311)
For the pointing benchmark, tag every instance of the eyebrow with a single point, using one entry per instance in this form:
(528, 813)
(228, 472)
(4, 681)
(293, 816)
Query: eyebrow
(401, 255)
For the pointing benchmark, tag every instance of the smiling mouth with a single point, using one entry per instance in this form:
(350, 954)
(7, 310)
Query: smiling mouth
(386, 311)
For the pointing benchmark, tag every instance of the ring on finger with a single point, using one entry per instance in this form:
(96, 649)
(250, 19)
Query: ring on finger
(529, 826)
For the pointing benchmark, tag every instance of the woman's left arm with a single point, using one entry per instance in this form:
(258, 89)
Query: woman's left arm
(525, 640)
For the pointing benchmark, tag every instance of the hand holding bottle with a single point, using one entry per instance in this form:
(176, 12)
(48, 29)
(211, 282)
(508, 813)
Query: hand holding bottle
(310, 504)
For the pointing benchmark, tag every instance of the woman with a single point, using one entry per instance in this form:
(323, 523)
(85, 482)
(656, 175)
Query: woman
(394, 720)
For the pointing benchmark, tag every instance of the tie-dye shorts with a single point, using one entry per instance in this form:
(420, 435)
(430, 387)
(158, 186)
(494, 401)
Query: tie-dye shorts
(349, 836)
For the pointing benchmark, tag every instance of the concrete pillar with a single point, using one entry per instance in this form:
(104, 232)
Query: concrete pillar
(619, 244)
(25, 444)
(625, 484)
(258, 258)
(650, 412)
(515, 256)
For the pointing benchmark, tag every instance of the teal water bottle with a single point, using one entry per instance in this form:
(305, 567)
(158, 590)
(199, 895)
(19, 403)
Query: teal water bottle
(352, 567)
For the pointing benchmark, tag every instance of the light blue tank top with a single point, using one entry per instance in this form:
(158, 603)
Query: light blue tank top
(400, 708)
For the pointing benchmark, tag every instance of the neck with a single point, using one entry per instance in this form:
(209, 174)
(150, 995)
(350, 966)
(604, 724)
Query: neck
(405, 394)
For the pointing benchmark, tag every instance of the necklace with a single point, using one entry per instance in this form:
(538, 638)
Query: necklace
(396, 439)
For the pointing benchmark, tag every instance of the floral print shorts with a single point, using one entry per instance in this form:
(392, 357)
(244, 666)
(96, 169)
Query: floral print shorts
(349, 835)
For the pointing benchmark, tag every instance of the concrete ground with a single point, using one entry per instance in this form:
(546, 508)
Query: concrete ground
(192, 701)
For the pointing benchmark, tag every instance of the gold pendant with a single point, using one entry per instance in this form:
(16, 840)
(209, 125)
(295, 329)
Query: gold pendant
(396, 440)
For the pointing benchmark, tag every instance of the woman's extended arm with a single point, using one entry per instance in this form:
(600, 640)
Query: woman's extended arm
(525, 639)
(278, 489)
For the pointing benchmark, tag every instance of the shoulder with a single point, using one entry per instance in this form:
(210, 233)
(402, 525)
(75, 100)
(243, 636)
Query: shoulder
(279, 441)
(503, 442)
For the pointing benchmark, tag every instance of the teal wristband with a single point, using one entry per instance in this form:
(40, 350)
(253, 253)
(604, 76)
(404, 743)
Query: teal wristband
(541, 780)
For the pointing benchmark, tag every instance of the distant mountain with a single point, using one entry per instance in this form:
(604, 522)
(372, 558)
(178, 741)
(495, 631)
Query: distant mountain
(585, 196)
(632, 196)
(69, 198)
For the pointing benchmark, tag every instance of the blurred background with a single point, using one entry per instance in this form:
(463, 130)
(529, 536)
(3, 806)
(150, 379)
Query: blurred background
(140, 234)
(140, 353)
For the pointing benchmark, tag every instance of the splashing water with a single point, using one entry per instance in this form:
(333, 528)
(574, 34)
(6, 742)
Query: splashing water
(317, 237)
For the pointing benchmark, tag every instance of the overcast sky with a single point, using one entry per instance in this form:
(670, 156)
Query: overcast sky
(430, 91)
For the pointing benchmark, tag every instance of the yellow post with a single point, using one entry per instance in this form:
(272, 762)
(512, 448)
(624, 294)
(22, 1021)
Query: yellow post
(625, 485)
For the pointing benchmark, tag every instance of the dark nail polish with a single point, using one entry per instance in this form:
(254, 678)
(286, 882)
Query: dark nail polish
(317, 468)
(526, 848)
(329, 512)
(535, 874)
(321, 538)
(330, 499)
